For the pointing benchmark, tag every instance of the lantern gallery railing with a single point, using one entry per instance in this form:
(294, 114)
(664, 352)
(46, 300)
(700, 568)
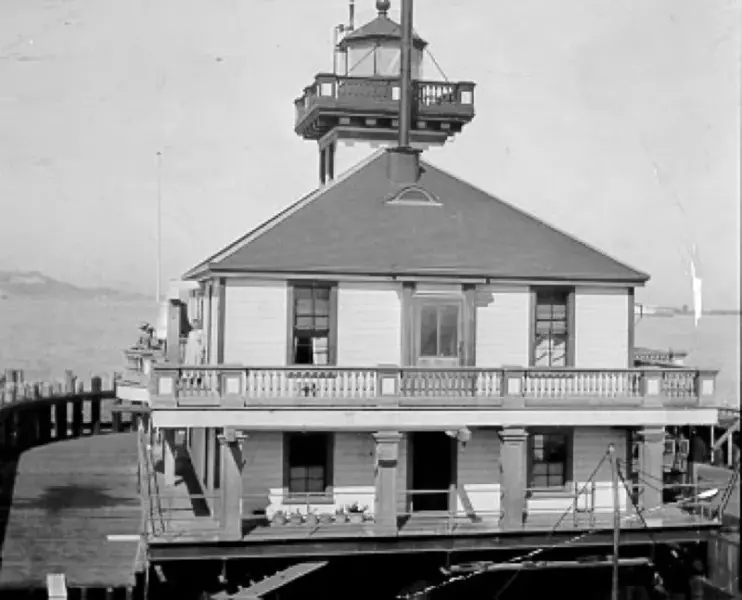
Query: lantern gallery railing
(261, 387)
(343, 92)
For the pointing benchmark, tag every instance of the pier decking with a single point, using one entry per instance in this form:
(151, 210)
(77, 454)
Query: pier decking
(59, 503)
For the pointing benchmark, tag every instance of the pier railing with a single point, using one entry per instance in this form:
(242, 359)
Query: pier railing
(34, 413)
(411, 387)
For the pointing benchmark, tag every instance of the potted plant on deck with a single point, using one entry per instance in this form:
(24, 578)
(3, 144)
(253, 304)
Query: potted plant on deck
(325, 518)
(312, 520)
(357, 513)
(340, 515)
(296, 518)
(279, 518)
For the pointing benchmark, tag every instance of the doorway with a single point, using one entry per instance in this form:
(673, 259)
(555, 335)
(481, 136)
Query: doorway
(431, 468)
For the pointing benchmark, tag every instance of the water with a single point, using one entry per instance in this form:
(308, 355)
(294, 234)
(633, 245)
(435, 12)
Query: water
(45, 337)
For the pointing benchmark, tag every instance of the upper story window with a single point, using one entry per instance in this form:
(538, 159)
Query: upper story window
(313, 324)
(553, 331)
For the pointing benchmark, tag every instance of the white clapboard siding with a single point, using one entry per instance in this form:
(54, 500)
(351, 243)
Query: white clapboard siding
(255, 323)
(369, 324)
(353, 474)
(503, 315)
(262, 474)
(354, 479)
(602, 328)
(479, 476)
(589, 445)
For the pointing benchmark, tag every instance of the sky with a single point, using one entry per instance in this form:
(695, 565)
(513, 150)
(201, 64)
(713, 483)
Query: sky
(615, 120)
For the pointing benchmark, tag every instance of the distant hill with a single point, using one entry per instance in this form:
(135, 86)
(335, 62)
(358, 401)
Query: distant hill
(27, 284)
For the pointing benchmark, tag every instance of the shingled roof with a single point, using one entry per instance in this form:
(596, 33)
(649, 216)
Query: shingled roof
(382, 27)
(447, 227)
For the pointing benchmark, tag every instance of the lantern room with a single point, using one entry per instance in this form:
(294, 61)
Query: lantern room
(374, 49)
(356, 108)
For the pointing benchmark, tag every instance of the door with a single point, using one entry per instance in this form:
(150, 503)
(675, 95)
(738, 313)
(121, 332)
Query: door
(433, 470)
(438, 340)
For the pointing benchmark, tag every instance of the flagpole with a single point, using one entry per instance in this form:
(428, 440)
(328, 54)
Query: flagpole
(159, 226)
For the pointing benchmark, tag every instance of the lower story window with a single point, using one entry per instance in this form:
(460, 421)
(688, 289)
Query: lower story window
(549, 459)
(308, 467)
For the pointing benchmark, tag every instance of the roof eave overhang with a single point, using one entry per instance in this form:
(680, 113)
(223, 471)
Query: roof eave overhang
(417, 43)
(209, 271)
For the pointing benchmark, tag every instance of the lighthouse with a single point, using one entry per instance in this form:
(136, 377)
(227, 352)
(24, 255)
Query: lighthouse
(362, 106)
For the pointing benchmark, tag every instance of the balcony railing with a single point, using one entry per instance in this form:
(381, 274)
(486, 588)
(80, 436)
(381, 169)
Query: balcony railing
(410, 387)
(379, 93)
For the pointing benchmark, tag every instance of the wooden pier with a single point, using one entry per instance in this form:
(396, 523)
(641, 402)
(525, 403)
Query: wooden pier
(69, 497)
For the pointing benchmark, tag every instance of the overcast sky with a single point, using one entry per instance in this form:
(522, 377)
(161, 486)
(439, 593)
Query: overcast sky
(615, 120)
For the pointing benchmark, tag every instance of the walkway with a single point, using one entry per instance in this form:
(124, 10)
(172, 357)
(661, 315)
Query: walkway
(66, 498)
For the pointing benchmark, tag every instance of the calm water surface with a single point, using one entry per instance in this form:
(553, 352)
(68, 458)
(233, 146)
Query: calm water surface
(44, 337)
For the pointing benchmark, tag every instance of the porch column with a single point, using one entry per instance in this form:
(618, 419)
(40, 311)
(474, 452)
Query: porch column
(198, 446)
(211, 442)
(231, 483)
(651, 458)
(513, 444)
(385, 500)
(168, 455)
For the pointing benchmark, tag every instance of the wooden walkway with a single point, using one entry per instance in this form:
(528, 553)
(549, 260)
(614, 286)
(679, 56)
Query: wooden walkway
(58, 505)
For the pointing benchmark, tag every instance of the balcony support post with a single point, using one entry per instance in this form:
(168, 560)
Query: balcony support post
(385, 501)
(651, 387)
(168, 455)
(172, 353)
(231, 482)
(513, 461)
(651, 457)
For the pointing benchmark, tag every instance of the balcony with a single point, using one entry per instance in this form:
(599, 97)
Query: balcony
(439, 107)
(392, 388)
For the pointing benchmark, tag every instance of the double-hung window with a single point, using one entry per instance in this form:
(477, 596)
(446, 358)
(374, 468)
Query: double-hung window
(308, 465)
(312, 324)
(552, 329)
(549, 459)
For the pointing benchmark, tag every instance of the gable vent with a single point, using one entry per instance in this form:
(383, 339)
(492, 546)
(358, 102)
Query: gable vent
(414, 196)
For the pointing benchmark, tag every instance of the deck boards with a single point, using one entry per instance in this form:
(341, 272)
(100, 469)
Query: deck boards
(182, 524)
(67, 497)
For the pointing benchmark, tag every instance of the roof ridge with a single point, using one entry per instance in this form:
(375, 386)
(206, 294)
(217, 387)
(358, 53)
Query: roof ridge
(538, 219)
(266, 226)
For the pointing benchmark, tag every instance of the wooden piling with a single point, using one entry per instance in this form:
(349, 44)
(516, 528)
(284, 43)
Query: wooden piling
(96, 387)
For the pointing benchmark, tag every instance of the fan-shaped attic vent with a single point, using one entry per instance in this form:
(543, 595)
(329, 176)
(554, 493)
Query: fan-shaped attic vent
(414, 196)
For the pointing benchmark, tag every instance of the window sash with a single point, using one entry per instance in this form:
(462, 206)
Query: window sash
(551, 328)
(439, 330)
(312, 324)
(549, 457)
(308, 463)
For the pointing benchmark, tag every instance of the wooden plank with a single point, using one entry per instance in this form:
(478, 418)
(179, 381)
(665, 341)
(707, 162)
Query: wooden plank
(68, 497)
(464, 542)
(284, 577)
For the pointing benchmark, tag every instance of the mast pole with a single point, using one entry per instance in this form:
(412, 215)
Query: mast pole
(616, 521)
(405, 76)
(159, 226)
